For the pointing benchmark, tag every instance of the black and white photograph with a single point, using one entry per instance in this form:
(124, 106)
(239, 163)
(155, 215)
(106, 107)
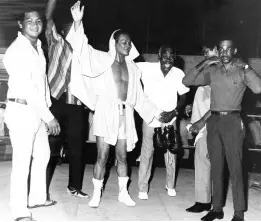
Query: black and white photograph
(130, 110)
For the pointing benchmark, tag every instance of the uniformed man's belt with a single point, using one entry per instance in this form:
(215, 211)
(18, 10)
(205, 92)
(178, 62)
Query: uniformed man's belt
(223, 113)
(17, 100)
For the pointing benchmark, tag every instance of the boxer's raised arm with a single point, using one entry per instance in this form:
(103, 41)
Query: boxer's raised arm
(49, 10)
(77, 14)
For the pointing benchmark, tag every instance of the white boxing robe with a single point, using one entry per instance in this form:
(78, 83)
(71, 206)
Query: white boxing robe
(92, 82)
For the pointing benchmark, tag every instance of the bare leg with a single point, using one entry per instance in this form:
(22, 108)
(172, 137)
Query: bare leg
(122, 170)
(121, 156)
(99, 170)
(102, 157)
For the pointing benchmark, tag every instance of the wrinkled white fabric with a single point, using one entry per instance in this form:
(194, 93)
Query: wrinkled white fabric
(92, 82)
(201, 106)
(26, 68)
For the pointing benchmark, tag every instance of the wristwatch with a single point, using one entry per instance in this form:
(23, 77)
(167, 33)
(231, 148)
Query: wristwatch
(246, 66)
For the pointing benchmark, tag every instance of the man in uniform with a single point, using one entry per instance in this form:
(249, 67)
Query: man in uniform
(228, 79)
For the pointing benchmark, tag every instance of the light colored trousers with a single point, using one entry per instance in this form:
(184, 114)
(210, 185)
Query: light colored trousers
(146, 159)
(184, 133)
(29, 139)
(203, 185)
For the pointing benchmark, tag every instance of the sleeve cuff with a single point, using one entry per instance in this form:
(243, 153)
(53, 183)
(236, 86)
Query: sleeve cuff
(48, 116)
(183, 91)
(71, 34)
(157, 114)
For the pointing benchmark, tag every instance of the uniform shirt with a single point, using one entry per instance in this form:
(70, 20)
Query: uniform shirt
(162, 91)
(59, 68)
(227, 88)
(26, 68)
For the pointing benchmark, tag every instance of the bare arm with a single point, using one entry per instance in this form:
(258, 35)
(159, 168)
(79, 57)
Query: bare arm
(206, 116)
(49, 11)
(197, 126)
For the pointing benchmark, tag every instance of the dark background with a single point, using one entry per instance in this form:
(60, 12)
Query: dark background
(182, 23)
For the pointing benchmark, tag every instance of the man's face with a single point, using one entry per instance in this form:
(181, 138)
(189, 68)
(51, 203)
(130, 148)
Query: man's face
(32, 25)
(226, 51)
(123, 45)
(208, 53)
(166, 58)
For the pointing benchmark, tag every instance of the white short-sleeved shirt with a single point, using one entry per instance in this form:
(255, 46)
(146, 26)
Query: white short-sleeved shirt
(162, 91)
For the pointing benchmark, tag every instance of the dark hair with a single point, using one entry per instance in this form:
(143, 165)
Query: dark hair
(118, 33)
(208, 44)
(21, 16)
(164, 47)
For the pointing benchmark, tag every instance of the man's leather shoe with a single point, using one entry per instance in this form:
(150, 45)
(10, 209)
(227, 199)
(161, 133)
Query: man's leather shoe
(212, 215)
(199, 207)
(237, 218)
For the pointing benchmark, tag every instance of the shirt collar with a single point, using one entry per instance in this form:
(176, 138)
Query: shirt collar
(23, 38)
(159, 67)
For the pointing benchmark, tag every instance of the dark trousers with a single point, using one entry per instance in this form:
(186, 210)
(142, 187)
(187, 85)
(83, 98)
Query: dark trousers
(71, 119)
(225, 141)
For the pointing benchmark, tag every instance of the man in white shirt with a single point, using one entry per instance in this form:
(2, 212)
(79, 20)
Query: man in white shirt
(200, 114)
(28, 117)
(161, 83)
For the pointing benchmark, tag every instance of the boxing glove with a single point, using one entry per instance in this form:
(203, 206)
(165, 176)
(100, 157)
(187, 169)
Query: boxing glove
(169, 135)
(158, 137)
(171, 139)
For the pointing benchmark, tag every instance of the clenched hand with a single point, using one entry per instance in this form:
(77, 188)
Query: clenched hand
(197, 126)
(54, 127)
(166, 117)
